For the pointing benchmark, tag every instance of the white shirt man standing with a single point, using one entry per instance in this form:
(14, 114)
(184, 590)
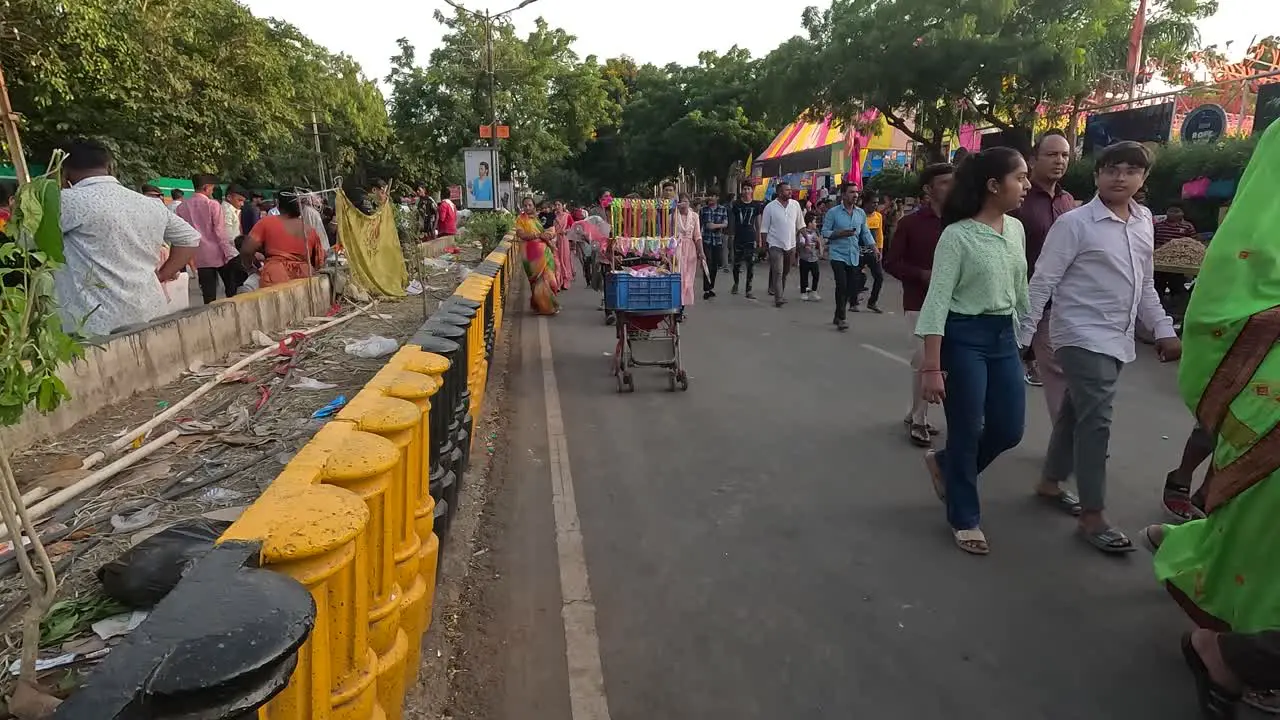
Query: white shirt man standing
(112, 237)
(780, 224)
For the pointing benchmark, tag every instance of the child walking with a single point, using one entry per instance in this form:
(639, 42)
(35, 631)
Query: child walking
(809, 249)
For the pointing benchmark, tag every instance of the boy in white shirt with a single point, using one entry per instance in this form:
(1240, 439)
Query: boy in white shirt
(1096, 266)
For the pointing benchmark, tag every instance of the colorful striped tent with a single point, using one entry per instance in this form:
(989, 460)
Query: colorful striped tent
(826, 145)
(801, 147)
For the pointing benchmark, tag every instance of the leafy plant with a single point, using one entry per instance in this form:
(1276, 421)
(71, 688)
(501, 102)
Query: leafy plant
(33, 344)
(487, 229)
(68, 618)
(894, 181)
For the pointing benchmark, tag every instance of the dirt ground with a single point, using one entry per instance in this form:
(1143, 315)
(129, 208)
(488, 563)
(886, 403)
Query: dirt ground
(243, 433)
(457, 653)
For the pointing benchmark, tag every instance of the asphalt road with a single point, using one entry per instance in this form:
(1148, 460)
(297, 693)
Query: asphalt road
(767, 545)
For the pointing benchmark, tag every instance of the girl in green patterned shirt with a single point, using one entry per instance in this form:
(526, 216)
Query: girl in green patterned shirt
(968, 321)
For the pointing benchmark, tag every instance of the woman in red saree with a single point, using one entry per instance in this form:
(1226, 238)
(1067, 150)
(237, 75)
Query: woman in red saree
(292, 250)
(539, 261)
(563, 248)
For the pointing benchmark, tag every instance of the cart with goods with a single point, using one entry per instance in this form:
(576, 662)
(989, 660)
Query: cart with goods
(642, 291)
(1180, 258)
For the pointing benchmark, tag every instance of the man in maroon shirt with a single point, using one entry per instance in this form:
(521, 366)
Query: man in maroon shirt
(1045, 202)
(909, 258)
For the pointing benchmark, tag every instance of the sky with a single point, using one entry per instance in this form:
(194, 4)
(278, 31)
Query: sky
(656, 31)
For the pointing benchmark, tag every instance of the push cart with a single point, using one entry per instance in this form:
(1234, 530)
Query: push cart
(647, 311)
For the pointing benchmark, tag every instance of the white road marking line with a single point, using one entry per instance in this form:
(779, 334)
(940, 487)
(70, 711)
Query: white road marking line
(587, 699)
(886, 353)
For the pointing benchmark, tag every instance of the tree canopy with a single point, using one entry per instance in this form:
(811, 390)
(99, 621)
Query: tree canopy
(551, 100)
(197, 86)
(204, 85)
(997, 62)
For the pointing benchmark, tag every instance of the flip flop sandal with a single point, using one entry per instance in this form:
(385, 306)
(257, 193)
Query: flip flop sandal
(1178, 504)
(1109, 540)
(1149, 534)
(972, 541)
(1267, 701)
(935, 475)
(929, 426)
(1066, 501)
(1216, 702)
(920, 435)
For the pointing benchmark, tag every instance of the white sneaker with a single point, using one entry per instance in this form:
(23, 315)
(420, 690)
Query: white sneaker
(804, 296)
(815, 297)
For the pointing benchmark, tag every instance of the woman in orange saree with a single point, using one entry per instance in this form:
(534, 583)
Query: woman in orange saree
(539, 261)
(292, 250)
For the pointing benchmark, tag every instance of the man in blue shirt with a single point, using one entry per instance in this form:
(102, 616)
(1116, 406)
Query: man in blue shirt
(845, 229)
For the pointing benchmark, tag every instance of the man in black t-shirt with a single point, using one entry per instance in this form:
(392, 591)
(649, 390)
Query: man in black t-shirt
(744, 228)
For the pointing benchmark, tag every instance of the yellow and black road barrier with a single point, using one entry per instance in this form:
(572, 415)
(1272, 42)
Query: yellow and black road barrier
(361, 514)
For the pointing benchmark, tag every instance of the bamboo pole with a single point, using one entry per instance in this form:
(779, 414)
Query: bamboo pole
(9, 119)
(58, 499)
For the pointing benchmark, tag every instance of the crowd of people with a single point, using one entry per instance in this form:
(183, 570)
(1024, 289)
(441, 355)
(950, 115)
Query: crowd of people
(1007, 280)
(714, 238)
(127, 252)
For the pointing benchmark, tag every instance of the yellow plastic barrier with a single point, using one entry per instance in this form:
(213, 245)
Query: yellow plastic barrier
(351, 518)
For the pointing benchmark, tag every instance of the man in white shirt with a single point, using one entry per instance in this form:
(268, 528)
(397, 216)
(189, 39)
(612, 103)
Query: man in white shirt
(112, 237)
(1096, 266)
(780, 224)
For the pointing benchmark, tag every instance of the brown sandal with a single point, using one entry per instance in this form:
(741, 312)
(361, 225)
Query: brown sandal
(972, 541)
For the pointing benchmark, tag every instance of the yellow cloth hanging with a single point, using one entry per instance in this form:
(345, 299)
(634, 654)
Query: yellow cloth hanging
(373, 248)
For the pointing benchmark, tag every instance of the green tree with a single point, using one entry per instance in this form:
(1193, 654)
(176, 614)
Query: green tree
(927, 65)
(701, 119)
(180, 88)
(551, 100)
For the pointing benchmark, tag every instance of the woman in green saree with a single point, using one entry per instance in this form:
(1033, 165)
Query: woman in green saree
(1223, 569)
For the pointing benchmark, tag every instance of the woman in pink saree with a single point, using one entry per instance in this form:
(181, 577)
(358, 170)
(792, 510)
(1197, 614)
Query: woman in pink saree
(689, 257)
(563, 248)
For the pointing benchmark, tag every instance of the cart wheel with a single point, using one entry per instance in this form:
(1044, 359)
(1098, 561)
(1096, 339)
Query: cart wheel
(683, 379)
(630, 383)
(621, 382)
(671, 381)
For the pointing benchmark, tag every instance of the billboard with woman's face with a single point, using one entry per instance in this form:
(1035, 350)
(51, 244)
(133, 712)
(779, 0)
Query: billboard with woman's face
(481, 187)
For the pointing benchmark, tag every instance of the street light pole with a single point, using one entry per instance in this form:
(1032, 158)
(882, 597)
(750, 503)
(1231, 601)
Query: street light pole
(493, 93)
(488, 19)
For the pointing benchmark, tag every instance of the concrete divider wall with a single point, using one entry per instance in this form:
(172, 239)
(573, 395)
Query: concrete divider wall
(356, 516)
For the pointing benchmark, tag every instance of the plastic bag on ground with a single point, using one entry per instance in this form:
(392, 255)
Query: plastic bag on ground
(146, 572)
(374, 346)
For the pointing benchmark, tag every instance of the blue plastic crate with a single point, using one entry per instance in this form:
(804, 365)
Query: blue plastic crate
(634, 293)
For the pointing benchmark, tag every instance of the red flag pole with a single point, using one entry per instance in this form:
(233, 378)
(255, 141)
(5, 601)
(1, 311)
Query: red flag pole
(1134, 64)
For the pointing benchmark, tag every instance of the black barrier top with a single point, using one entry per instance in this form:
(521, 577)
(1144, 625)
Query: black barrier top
(238, 656)
(464, 301)
(443, 316)
(453, 308)
(436, 327)
(487, 270)
(434, 343)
